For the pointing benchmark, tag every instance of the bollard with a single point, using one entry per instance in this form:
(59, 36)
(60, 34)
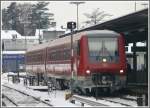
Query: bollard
(140, 101)
(82, 104)
(73, 101)
(24, 82)
(146, 99)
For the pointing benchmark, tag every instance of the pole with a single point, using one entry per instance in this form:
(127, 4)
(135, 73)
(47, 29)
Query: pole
(72, 52)
(39, 33)
(16, 60)
(71, 26)
(25, 59)
(135, 61)
(77, 4)
(72, 72)
(96, 87)
(77, 18)
(135, 6)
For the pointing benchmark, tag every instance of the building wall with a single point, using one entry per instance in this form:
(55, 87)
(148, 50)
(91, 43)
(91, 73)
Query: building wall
(13, 49)
(18, 44)
(50, 35)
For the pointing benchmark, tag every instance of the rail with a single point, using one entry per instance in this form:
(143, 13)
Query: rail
(110, 100)
(85, 101)
(10, 100)
(37, 99)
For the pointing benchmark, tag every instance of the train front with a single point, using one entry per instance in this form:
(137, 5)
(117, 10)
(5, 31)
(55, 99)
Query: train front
(106, 63)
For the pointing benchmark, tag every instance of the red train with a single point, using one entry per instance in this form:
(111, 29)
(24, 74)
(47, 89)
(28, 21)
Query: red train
(98, 61)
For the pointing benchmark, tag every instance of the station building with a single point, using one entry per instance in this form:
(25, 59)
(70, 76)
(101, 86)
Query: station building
(14, 46)
(13, 49)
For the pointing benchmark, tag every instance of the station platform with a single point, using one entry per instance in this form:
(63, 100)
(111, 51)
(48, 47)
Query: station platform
(40, 88)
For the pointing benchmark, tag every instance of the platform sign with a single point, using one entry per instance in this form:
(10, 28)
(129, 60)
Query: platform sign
(13, 56)
(11, 62)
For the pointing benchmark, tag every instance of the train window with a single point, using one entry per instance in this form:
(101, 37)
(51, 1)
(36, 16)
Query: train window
(51, 56)
(57, 55)
(103, 48)
(78, 48)
(61, 55)
(66, 54)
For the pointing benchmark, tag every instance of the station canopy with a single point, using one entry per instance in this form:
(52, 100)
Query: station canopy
(134, 26)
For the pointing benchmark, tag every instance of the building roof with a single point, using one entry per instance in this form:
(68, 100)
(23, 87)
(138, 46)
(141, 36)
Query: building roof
(7, 34)
(13, 52)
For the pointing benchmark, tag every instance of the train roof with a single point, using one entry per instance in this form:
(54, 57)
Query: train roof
(37, 47)
(100, 33)
(77, 36)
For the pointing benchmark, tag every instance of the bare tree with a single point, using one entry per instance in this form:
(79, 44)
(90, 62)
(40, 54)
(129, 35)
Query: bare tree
(95, 17)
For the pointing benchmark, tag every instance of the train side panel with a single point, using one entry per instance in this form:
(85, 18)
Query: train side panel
(58, 61)
(35, 61)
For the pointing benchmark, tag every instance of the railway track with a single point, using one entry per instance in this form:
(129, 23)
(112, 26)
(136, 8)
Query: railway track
(100, 102)
(117, 102)
(85, 101)
(7, 100)
(123, 100)
(17, 98)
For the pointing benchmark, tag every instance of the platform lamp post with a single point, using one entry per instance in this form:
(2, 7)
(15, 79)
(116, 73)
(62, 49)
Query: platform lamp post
(77, 4)
(71, 26)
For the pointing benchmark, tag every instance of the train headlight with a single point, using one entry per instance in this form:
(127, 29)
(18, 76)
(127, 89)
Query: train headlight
(88, 71)
(104, 60)
(121, 71)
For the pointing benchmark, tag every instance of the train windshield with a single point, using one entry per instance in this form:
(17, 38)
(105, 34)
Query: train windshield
(103, 50)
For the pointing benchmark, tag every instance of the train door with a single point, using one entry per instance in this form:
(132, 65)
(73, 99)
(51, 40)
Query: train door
(76, 57)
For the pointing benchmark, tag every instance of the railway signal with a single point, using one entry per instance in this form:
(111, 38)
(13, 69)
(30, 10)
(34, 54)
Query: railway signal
(71, 26)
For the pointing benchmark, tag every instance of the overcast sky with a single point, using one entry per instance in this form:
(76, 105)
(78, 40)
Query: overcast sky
(64, 11)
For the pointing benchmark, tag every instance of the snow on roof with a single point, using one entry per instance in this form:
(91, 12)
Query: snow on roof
(8, 34)
(13, 52)
(49, 29)
(37, 32)
(55, 28)
(30, 37)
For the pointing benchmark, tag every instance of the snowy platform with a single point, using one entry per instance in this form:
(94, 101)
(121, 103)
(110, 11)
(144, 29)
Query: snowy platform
(38, 87)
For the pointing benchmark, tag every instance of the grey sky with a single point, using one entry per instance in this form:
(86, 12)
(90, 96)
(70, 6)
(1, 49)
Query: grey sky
(64, 11)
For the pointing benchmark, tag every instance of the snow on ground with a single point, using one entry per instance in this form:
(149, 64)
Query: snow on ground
(132, 103)
(132, 97)
(21, 99)
(102, 101)
(38, 87)
(57, 98)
